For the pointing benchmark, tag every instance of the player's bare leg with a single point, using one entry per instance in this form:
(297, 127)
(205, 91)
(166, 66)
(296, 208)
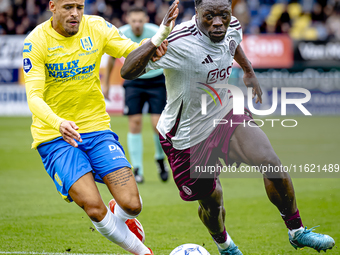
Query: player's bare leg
(212, 213)
(123, 188)
(154, 121)
(85, 194)
(135, 123)
(163, 169)
(251, 146)
(135, 145)
(127, 204)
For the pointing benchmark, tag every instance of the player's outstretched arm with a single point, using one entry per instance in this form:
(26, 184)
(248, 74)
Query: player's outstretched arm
(137, 60)
(249, 77)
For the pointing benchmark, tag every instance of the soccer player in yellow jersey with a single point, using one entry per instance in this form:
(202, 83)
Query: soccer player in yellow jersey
(71, 128)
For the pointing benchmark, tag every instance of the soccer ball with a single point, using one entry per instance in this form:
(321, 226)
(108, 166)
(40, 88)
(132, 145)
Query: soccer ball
(189, 249)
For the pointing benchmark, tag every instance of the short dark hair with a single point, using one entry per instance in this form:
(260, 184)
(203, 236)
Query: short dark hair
(135, 8)
(198, 2)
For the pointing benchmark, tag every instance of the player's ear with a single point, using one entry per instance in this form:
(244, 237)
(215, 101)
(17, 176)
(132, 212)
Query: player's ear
(52, 6)
(196, 12)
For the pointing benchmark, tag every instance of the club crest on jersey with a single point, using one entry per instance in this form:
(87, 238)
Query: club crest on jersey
(232, 47)
(187, 190)
(27, 65)
(86, 43)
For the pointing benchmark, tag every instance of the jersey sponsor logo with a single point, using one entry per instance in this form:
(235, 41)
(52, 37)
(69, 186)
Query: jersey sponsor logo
(232, 47)
(109, 25)
(208, 60)
(213, 76)
(86, 43)
(27, 65)
(218, 75)
(116, 149)
(27, 47)
(87, 53)
(123, 157)
(55, 48)
(68, 70)
(112, 147)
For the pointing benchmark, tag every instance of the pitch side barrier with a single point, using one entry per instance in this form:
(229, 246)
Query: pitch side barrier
(278, 62)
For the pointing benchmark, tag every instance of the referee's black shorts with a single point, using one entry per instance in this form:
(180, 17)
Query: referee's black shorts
(139, 91)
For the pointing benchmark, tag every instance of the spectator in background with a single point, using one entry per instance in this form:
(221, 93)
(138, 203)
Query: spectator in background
(283, 24)
(241, 11)
(148, 88)
(21, 16)
(333, 22)
(319, 18)
(317, 13)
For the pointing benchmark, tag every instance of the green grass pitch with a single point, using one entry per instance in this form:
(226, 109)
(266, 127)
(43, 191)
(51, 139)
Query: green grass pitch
(34, 218)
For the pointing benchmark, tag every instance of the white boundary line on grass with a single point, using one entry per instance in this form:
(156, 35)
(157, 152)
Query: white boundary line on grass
(53, 253)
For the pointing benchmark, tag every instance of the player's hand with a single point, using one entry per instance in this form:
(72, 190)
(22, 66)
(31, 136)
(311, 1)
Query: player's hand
(69, 133)
(161, 50)
(251, 81)
(171, 16)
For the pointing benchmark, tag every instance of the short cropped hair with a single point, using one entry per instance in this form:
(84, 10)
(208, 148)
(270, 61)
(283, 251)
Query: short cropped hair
(198, 2)
(135, 8)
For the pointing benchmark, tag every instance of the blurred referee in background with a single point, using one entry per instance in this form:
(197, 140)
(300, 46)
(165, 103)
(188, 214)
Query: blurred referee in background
(148, 88)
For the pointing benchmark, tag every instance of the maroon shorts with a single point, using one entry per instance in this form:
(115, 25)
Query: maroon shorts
(191, 184)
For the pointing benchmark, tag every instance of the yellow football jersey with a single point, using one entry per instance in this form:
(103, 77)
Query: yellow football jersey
(62, 76)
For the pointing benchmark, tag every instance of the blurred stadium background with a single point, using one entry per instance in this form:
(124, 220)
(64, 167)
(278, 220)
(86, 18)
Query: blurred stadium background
(290, 44)
(290, 40)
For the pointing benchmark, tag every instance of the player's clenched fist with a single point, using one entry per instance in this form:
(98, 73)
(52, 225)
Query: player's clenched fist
(161, 50)
(69, 133)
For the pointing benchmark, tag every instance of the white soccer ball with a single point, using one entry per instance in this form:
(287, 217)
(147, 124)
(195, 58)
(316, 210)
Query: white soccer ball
(189, 249)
